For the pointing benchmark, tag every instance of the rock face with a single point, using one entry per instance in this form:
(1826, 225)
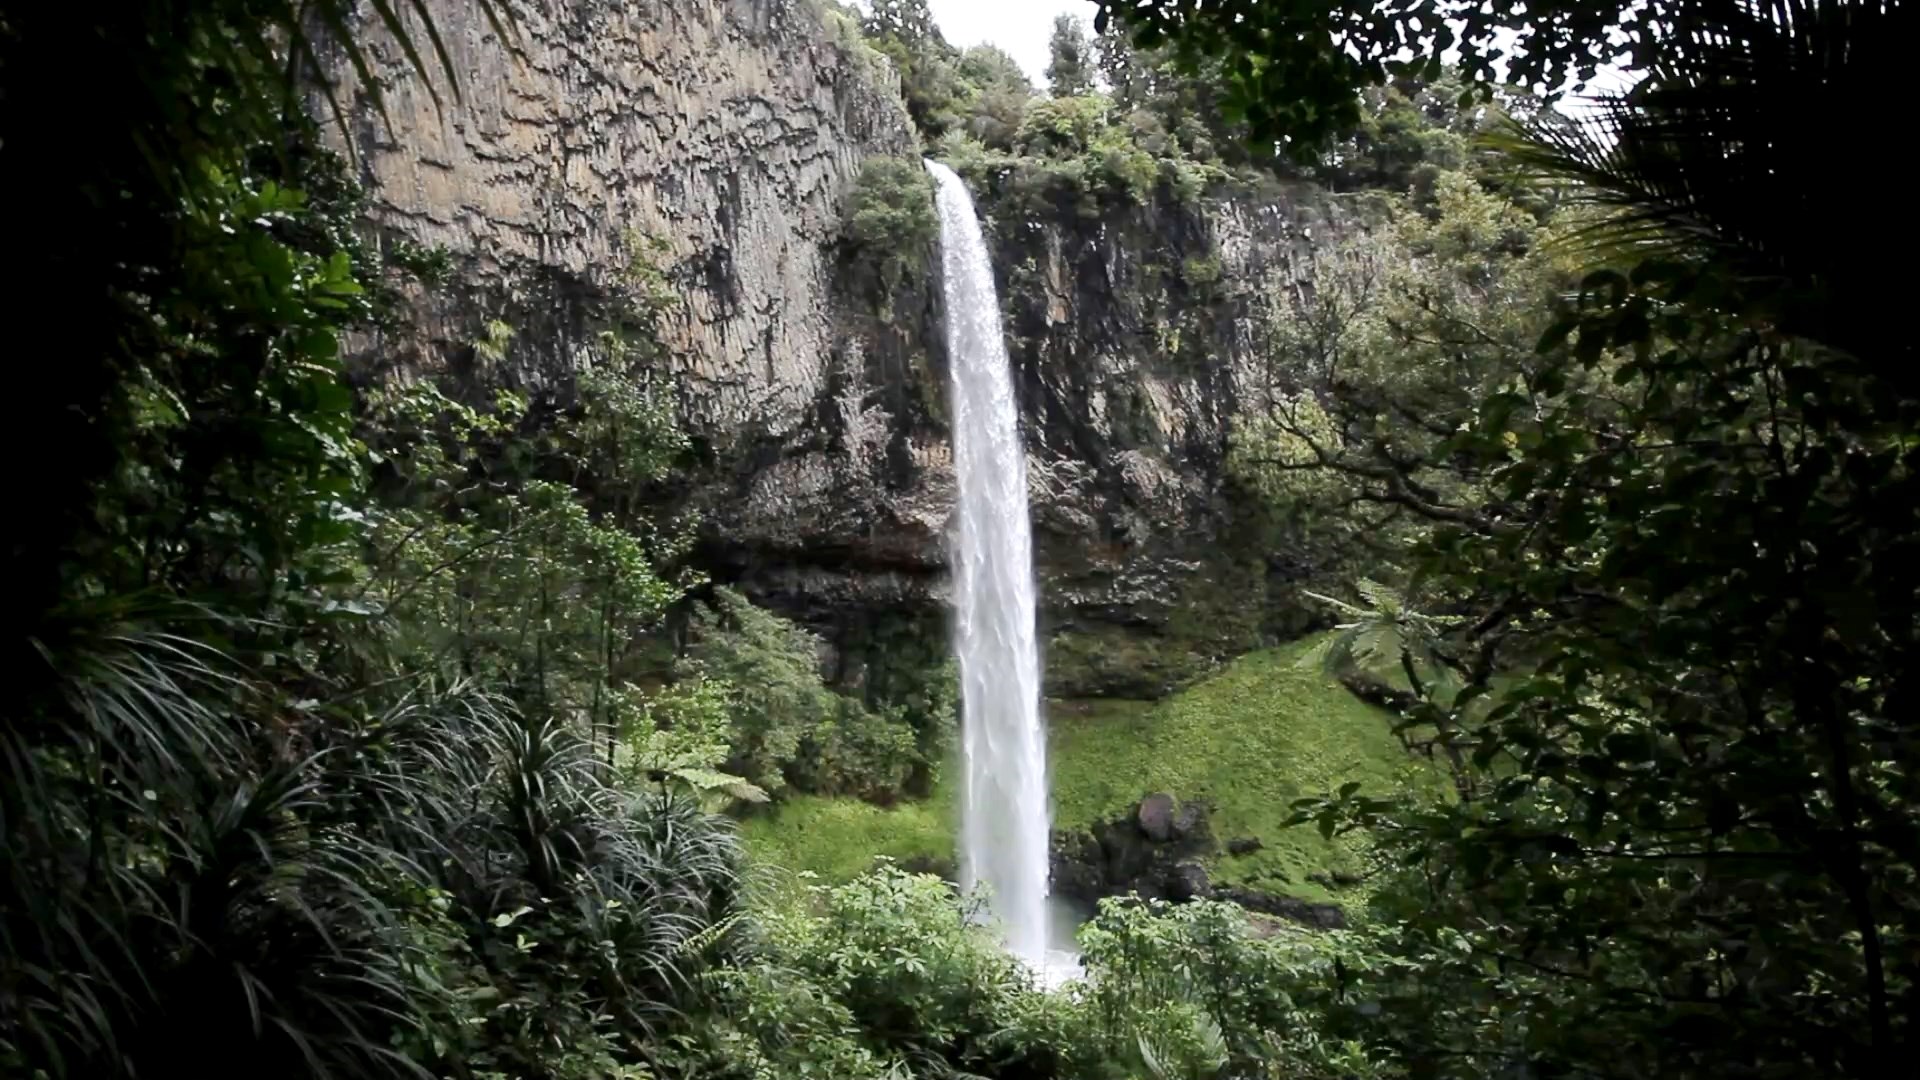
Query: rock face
(711, 141)
(695, 158)
(1158, 852)
(1155, 852)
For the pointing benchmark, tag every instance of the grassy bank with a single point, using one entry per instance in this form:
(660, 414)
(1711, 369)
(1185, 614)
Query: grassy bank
(1251, 738)
(838, 838)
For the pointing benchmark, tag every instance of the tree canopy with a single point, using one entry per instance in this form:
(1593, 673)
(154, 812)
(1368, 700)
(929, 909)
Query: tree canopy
(1657, 611)
(1069, 58)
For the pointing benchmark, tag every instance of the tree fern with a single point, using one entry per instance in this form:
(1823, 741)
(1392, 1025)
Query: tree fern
(1380, 636)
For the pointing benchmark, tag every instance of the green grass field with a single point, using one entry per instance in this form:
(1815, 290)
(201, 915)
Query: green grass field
(1249, 739)
(839, 838)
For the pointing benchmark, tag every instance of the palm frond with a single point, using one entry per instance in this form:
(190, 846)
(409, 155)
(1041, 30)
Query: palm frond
(1743, 152)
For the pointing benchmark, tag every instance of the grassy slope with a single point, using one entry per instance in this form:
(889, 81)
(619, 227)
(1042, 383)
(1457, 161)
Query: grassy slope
(1250, 738)
(838, 838)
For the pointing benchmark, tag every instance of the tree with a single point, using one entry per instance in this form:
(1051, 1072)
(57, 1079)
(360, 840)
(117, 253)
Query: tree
(1180, 99)
(904, 32)
(1303, 64)
(1002, 93)
(1070, 59)
(907, 21)
(1408, 328)
(1694, 852)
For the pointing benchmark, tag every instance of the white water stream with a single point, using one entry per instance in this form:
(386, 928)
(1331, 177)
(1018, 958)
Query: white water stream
(1003, 837)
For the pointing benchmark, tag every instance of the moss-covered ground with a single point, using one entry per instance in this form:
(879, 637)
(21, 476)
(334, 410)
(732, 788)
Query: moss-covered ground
(1250, 739)
(1259, 733)
(839, 838)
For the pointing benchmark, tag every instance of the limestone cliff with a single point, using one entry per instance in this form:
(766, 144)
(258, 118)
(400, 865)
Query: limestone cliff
(715, 142)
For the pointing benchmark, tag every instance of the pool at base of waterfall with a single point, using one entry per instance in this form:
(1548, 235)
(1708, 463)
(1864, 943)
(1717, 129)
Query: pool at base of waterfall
(1059, 964)
(1055, 968)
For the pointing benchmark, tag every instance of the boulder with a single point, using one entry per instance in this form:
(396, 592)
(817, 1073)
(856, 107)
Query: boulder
(1079, 866)
(1187, 880)
(1292, 908)
(1190, 825)
(1155, 816)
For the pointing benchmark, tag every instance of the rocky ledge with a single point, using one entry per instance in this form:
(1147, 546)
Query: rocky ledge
(1158, 851)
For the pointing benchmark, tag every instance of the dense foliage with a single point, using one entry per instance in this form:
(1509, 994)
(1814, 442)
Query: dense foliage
(361, 728)
(1655, 537)
(369, 727)
(1293, 70)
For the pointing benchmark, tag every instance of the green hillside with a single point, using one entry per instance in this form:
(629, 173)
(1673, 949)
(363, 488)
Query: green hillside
(1249, 739)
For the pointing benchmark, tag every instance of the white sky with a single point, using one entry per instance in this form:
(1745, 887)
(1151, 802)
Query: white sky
(1019, 26)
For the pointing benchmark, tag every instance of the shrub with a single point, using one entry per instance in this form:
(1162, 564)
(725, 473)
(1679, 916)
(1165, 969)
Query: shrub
(1194, 990)
(862, 752)
(891, 206)
(788, 726)
(890, 228)
(1063, 126)
(900, 951)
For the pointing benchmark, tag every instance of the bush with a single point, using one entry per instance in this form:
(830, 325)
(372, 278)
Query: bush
(1000, 95)
(861, 752)
(891, 971)
(788, 726)
(890, 228)
(891, 206)
(1194, 991)
(1059, 127)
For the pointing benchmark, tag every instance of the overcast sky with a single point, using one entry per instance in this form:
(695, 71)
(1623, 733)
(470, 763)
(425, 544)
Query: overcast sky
(1019, 26)
(1022, 27)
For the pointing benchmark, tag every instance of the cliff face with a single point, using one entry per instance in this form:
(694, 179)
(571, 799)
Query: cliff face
(1137, 331)
(712, 144)
(710, 140)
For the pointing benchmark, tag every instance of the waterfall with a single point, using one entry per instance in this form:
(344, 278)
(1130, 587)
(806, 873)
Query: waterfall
(1003, 837)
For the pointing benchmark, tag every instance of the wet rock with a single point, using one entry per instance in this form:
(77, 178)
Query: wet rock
(1187, 881)
(1307, 913)
(1158, 851)
(1191, 825)
(1155, 850)
(1078, 866)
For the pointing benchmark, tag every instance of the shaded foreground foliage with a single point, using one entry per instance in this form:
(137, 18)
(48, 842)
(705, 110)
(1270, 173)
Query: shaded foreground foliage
(345, 741)
(1655, 546)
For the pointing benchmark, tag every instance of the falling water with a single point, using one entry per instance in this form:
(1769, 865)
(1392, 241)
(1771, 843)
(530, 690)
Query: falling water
(1003, 836)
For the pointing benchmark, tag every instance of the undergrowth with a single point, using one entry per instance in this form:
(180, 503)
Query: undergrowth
(841, 838)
